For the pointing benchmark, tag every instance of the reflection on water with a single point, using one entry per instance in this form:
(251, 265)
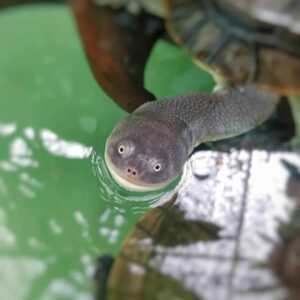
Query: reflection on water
(115, 196)
(28, 269)
(7, 129)
(54, 221)
(21, 157)
(246, 197)
(48, 204)
(128, 201)
(245, 194)
(46, 196)
(60, 147)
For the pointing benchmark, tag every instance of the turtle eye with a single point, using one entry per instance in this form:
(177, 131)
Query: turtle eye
(125, 148)
(121, 149)
(157, 167)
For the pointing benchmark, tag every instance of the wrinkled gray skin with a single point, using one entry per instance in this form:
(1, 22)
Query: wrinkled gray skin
(147, 150)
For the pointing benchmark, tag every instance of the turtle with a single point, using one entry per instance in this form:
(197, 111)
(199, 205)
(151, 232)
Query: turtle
(252, 49)
(202, 219)
(237, 240)
(168, 253)
(236, 41)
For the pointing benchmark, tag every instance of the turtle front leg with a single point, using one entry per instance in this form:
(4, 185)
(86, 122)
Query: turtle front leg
(112, 40)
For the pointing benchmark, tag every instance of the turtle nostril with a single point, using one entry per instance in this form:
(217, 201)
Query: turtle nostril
(131, 171)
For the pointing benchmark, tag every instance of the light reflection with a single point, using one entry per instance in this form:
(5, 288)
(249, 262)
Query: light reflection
(29, 133)
(110, 234)
(137, 269)
(35, 243)
(55, 227)
(88, 264)
(21, 154)
(28, 268)
(7, 166)
(61, 147)
(60, 288)
(21, 159)
(26, 191)
(26, 178)
(111, 221)
(82, 221)
(245, 194)
(7, 129)
(284, 19)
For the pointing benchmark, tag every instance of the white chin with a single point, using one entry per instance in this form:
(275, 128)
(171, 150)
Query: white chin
(128, 185)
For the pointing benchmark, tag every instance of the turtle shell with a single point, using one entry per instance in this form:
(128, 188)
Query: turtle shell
(245, 40)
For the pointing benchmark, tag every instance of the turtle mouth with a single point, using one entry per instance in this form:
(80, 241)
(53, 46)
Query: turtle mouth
(130, 184)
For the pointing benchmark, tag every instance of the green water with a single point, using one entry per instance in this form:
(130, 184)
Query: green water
(53, 223)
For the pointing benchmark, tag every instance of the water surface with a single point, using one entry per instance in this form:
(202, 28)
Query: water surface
(53, 220)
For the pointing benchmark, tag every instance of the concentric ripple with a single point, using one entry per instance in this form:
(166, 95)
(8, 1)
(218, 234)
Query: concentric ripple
(123, 200)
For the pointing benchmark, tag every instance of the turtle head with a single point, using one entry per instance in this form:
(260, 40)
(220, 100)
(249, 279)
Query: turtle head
(143, 154)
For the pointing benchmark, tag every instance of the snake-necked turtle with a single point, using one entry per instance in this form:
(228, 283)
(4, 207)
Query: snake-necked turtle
(253, 50)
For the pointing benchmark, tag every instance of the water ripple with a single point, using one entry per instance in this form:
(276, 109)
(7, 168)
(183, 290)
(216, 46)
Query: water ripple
(123, 200)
